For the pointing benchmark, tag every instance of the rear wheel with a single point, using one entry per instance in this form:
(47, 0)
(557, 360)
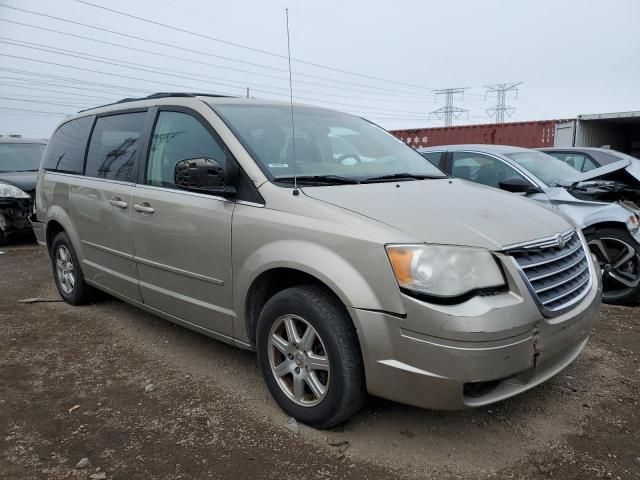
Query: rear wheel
(309, 356)
(67, 272)
(618, 256)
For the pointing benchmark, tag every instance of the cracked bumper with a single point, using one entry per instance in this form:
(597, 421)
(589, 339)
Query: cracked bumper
(493, 348)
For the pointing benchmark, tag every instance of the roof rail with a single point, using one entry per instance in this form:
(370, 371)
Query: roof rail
(157, 95)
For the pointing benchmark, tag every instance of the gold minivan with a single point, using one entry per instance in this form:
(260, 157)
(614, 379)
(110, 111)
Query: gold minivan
(343, 257)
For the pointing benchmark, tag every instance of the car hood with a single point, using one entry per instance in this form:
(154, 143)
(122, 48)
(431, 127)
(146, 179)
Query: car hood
(25, 181)
(622, 169)
(448, 211)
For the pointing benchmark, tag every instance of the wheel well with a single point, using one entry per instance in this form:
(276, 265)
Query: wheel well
(599, 226)
(53, 229)
(271, 282)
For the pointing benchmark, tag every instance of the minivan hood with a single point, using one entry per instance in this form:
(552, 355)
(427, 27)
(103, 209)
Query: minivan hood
(25, 181)
(447, 211)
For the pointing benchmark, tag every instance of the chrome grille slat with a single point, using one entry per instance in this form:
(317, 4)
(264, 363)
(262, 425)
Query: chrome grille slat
(531, 265)
(557, 276)
(572, 277)
(545, 275)
(562, 295)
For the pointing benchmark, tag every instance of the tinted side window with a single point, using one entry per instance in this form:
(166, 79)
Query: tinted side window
(178, 136)
(437, 158)
(115, 146)
(65, 152)
(481, 168)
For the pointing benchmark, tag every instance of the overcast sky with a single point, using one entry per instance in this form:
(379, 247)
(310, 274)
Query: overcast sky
(573, 57)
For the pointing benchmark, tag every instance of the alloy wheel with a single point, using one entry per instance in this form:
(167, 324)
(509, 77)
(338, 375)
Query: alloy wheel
(299, 361)
(64, 269)
(620, 266)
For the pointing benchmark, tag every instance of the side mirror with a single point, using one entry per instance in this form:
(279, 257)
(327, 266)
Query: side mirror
(518, 185)
(203, 175)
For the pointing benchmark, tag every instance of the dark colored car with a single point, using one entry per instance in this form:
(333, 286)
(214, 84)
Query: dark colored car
(584, 159)
(19, 163)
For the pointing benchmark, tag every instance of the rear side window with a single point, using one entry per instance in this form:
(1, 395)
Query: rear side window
(437, 158)
(115, 147)
(579, 161)
(65, 152)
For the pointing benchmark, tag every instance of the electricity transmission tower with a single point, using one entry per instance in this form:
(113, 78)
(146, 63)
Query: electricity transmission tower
(448, 112)
(501, 90)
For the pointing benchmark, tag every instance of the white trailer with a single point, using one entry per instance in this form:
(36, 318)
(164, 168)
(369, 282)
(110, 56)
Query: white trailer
(619, 131)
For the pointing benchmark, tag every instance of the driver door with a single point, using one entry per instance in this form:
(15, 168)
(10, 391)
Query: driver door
(182, 239)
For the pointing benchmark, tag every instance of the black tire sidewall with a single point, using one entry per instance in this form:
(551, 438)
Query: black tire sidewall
(288, 302)
(79, 294)
(632, 297)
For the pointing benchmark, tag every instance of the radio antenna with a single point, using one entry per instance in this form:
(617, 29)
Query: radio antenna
(293, 125)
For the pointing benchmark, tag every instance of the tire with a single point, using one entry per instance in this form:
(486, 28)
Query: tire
(73, 290)
(336, 346)
(620, 279)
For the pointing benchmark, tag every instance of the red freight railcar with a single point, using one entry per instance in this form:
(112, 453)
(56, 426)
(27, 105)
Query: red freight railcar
(521, 134)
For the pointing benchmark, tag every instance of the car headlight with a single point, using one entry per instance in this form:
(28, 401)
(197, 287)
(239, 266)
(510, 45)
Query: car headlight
(444, 271)
(9, 191)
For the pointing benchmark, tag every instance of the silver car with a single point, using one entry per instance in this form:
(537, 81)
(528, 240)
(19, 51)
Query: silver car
(603, 202)
(345, 259)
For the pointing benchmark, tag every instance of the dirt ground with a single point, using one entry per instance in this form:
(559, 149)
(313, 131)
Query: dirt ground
(74, 384)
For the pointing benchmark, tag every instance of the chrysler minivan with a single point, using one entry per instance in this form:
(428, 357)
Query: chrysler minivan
(348, 262)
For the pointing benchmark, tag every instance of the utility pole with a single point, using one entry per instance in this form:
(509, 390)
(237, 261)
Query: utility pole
(501, 90)
(449, 112)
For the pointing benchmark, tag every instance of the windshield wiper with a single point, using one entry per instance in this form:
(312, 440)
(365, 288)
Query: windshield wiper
(402, 176)
(319, 179)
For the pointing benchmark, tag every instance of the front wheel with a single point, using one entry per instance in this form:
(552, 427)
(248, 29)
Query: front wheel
(618, 256)
(309, 356)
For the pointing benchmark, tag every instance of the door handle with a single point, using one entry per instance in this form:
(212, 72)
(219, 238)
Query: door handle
(118, 202)
(143, 207)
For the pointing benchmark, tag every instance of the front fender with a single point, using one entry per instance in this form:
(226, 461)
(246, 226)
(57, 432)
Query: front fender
(590, 215)
(344, 278)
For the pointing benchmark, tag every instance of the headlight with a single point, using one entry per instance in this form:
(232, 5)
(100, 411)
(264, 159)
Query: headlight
(9, 191)
(444, 271)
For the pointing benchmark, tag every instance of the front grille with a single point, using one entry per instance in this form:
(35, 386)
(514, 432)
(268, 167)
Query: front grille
(558, 276)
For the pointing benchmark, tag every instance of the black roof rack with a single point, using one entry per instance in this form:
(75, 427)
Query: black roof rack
(159, 95)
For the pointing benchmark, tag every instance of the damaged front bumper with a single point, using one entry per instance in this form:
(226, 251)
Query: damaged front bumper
(15, 214)
(476, 353)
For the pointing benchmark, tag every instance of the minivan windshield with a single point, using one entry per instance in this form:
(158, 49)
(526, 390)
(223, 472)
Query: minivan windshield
(20, 157)
(550, 170)
(329, 147)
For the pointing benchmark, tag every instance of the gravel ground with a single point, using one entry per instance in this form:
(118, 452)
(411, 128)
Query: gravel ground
(139, 397)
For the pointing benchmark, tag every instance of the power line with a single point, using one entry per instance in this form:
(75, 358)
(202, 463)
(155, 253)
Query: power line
(246, 47)
(213, 65)
(41, 102)
(129, 77)
(138, 66)
(449, 111)
(30, 87)
(190, 88)
(185, 49)
(501, 90)
(34, 111)
(532, 107)
(70, 80)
